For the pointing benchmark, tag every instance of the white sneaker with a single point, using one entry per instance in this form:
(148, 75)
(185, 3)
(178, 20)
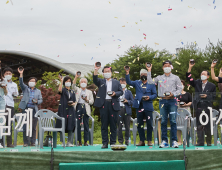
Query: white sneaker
(1, 146)
(164, 144)
(69, 144)
(175, 144)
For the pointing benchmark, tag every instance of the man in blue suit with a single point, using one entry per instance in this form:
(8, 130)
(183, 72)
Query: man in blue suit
(143, 103)
(124, 115)
(107, 100)
(32, 97)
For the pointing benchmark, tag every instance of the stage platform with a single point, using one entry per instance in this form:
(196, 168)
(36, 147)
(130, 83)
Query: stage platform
(27, 158)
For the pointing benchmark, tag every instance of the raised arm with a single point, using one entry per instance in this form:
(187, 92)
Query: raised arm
(213, 74)
(60, 86)
(127, 76)
(151, 80)
(74, 87)
(21, 83)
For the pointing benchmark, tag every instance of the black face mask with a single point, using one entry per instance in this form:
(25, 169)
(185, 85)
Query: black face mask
(144, 78)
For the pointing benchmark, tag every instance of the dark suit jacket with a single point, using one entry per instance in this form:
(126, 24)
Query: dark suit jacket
(210, 90)
(150, 91)
(129, 98)
(101, 95)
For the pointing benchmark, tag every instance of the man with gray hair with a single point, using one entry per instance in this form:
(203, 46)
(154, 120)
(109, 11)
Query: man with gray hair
(143, 102)
(84, 98)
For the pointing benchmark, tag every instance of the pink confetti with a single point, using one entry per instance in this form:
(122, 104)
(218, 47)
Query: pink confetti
(189, 75)
(95, 92)
(185, 27)
(144, 38)
(165, 81)
(103, 107)
(144, 34)
(191, 79)
(155, 84)
(175, 98)
(81, 30)
(160, 85)
(58, 56)
(180, 96)
(170, 9)
(188, 85)
(113, 103)
(112, 115)
(148, 117)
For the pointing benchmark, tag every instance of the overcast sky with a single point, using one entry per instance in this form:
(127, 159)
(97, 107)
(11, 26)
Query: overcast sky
(52, 28)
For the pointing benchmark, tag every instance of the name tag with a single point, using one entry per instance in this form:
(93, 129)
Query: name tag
(13, 150)
(144, 87)
(34, 150)
(199, 148)
(97, 97)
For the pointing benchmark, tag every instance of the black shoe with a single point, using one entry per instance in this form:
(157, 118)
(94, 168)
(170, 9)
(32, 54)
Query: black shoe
(200, 144)
(104, 146)
(25, 145)
(10, 146)
(209, 144)
(127, 143)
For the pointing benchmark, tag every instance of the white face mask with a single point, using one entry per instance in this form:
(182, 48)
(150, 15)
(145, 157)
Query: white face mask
(83, 85)
(8, 77)
(123, 86)
(182, 86)
(67, 84)
(203, 77)
(107, 75)
(31, 84)
(167, 69)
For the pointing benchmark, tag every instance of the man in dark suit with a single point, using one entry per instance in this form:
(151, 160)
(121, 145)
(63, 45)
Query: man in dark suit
(124, 115)
(107, 100)
(144, 106)
(204, 94)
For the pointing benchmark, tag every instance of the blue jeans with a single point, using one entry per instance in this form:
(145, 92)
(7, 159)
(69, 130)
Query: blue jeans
(168, 107)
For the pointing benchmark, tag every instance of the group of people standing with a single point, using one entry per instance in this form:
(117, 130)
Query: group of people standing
(115, 103)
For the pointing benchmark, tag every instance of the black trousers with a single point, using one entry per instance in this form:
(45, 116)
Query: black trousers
(202, 106)
(9, 137)
(108, 116)
(81, 113)
(123, 118)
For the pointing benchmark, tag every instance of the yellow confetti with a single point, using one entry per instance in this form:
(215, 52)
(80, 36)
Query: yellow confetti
(141, 40)
(136, 22)
(123, 26)
(195, 42)
(176, 70)
(7, 2)
(189, 7)
(85, 44)
(156, 43)
(162, 105)
(188, 87)
(139, 29)
(177, 62)
(116, 17)
(109, 2)
(134, 60)
(129, 63)
(138, 58)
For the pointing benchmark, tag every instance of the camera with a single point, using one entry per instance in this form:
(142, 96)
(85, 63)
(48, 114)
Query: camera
(127, 67)
(148, 64)
(182, 103)
(215, 61)
(144, 97)
(192, 61)
(14, 94)
(2, 83)
(83, 96)
(122, 100)
(110, 93)
(34, 100)
(98, 64)
(70, 102)
(20, 68)
(167, 93)
(78, 73)
(202, 95)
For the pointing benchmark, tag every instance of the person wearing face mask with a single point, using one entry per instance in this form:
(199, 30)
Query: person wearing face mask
(32, 97)
(84, 98)
(66, 108)
(107, 99)
(169, 87)
(184, 101)
(12, 89)
(204, 94)
(143, 102)
(124, 115)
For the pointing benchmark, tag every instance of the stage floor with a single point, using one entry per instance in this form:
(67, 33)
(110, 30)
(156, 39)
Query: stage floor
(26, 158)
(97, 147)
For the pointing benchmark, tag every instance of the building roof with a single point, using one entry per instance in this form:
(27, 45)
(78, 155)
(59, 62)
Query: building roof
(70, 68)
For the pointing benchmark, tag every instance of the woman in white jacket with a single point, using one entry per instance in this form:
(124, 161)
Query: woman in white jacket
(84, 99)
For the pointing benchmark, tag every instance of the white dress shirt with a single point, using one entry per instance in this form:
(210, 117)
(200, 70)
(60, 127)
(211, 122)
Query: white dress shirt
(11, 87)
(80, 97)
(122, 97)
(108, 88)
